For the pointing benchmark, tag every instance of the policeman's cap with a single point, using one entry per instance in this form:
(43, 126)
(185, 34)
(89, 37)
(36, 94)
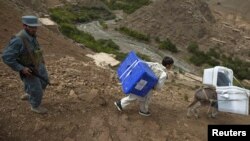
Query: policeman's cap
(30, 21)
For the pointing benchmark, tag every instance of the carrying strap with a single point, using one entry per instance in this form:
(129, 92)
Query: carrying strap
(238, 82)
(27, 46)
(204, 92)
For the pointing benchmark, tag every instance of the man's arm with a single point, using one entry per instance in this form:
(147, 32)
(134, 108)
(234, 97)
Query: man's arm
(161, 81)
(10, 54)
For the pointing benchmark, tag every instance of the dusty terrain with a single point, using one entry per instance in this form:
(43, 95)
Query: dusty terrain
(80, 101)
(239, 8)
(184, 21)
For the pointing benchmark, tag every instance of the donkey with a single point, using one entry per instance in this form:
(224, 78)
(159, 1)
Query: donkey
(204, 96)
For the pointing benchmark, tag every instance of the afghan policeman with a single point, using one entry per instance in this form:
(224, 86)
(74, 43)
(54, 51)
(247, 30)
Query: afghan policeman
(24, 55)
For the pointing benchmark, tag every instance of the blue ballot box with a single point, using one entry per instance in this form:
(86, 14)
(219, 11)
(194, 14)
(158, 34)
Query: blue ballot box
(136, 76)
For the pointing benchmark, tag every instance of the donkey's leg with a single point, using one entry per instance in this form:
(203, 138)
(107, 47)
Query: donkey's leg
(195, 109)
(189, 112)
(190, 108)
(214, 109)
(214, 112)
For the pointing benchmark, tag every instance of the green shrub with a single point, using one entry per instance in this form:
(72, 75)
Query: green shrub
(120, 56)
(68, 29)
(79, 14)
(103, 24)
(128, 6)
(199, 57)
(212, 62)
(197, 60)
(168, 45)
(143, 56)
(88, 40)
(157, 39)
(212, 52)
(240, 68)
(67, 16)
(193, 47)
(61, 15)
(134, 34)
(108, 44)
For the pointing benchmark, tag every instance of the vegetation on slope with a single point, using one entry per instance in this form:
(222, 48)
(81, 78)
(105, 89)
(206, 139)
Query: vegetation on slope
(128, 6)
(67, 17)
(214, 57)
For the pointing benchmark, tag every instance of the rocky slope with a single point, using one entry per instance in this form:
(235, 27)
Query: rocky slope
(184, 21)
(80, 101)
(181, 21)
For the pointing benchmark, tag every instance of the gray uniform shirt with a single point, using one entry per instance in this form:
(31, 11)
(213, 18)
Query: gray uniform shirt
(14, 49)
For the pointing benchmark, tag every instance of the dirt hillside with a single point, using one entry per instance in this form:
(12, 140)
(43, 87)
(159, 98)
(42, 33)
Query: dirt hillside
(239, 7)
(169, 18)
(184, 21)
(80, 101)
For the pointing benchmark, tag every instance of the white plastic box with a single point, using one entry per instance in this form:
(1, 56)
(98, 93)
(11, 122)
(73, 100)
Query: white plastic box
(231, 98)
(218, 76)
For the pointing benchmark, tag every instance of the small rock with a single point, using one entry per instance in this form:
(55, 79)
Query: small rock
(72, 94)
(186, 125)
(59, 88)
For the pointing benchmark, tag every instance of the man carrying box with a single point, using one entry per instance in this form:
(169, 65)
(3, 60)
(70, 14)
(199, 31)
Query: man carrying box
(161, 73)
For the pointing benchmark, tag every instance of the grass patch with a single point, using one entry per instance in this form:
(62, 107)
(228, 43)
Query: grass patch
(168, 45)
(78, 14)
(135, 34)
(240, 67)
(143, 57)
(128, 6)
(103, 24)
(68, 16)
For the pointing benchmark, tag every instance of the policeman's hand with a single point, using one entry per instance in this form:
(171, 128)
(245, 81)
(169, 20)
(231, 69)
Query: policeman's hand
(26, 71)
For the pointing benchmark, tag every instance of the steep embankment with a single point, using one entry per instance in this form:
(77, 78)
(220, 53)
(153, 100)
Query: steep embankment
(181, 21)
(184, 21)
(239, 7)
(80, 101)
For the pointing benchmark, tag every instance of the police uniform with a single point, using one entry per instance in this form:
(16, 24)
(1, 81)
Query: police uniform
(17, 56)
